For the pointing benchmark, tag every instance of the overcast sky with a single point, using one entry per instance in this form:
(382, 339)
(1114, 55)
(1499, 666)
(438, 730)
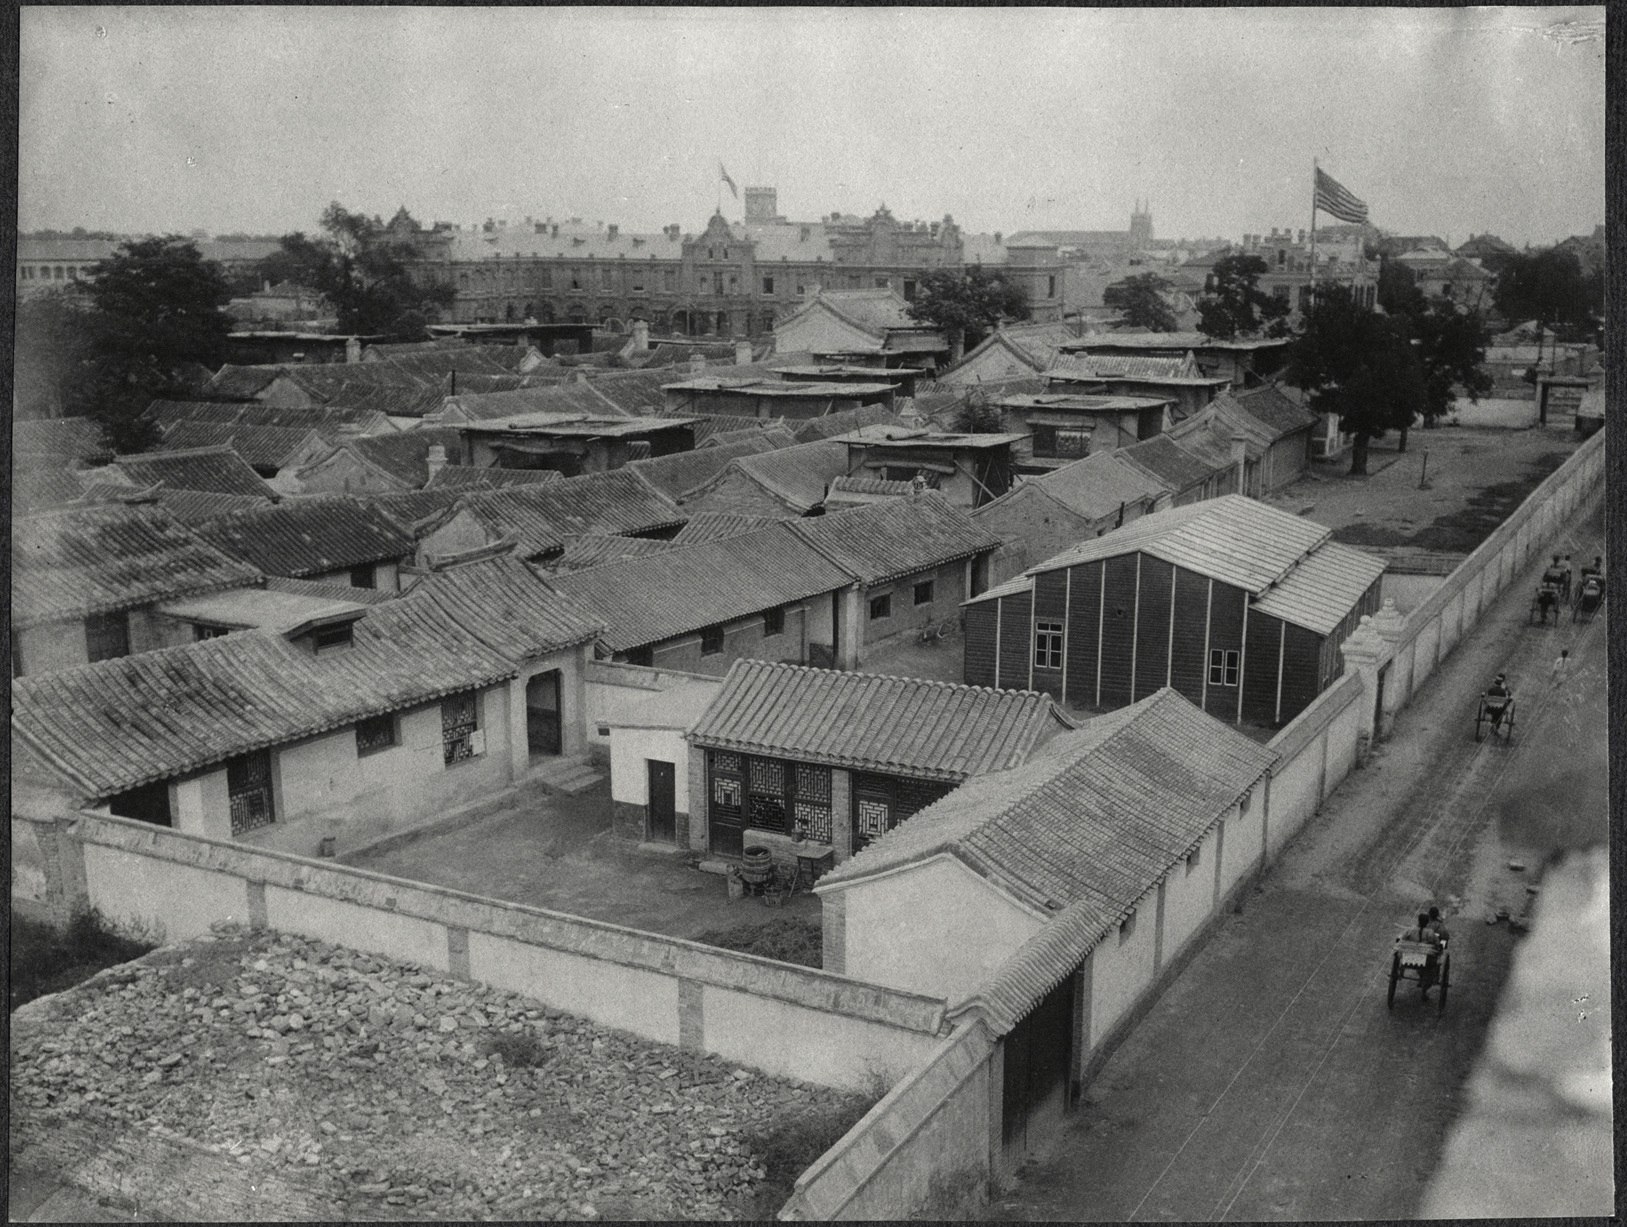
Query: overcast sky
(1445, 121)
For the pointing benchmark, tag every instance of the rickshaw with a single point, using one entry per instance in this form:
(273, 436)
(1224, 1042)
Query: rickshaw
(1428, 963)
(1559, 575)
(1589, 596)
(1500, 721)
(1548, 599)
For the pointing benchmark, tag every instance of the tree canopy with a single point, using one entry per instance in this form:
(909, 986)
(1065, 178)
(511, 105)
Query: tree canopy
(363, 269)
(968, 304)
(1450, 344)
(1360, 365)
(1142, 300)
(1550, 287)
(1234, 305)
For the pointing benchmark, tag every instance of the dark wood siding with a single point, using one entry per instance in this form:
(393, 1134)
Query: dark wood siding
(977, 666)
(1225, 635)
(1191, 606)
(1050, 605)
(1152, 642)
(1301, 669)
(1118, 630)
(1084, 611)
(1260, 667)
(1016, 640)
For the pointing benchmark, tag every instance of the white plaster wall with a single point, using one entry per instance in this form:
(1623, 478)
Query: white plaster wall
(1121, 971)
(1240, 851)
(935, 928)
(1409, 591)
(635, 1000)
(793, 1041)
(28, 880)
(406, 938)
(53, 646)
(200, 805)
(159, 899)
(1293, 793)
(1342, 736)
(1189, 898)
(630, 749)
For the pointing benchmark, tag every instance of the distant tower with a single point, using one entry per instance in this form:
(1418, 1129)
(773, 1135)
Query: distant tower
(1141, 226)
(762, 205)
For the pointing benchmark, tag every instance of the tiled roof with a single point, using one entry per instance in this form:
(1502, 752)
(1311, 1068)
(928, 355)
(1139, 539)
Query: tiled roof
(404, 454)
(882, 541)
(468, 477)
(506, 606)
(796, 476)
(679, 473)
(900, 725)
(635, 392)
(1275, 410)
(1099, 815)
(571, 243)
(556, 398)
(307, 536)
(403, 400)
(1321, 591)
(842, 421)
(113, 725)
(596, 549)
(411, 508)
(196, 506)
(214, 470)
(432, 366)
(79, 562)
(326, 418)
(709, 426)
(268, 447)
(678, 592)
(1235, 539)
(1034, 345)
(1125, 366)
(38, 487)
(242, 382)
(1209, 431)
(1096, 486)
(1169, 462)
(870, 485)
(543, 517)
(775, 431)
(716, 525)
(80, 438)
(330, 590)
(1170, 340)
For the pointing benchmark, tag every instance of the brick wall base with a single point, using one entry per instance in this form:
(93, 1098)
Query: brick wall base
(627, 820)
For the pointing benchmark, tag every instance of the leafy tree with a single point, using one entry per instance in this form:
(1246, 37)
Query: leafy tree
(52, 354)
(1450, 345)
(966, 305)
(364, 270)
(1550, 287)
(1141, 298)
(1235, 305)
(1360, 365)
(977, 415)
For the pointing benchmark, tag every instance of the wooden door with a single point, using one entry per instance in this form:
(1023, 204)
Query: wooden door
(543, 733)
(662, 806)
(725, 804)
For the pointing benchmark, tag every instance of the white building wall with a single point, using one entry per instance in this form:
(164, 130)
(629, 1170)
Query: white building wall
(1122, 967)
(1189, 898)
(630, 752)
(1240, 854)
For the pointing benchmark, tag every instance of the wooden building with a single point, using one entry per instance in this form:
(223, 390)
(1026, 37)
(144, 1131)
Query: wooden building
(967, 469)
(1236, 605)
(1064, 427)
(573, 443)
(1243, 362)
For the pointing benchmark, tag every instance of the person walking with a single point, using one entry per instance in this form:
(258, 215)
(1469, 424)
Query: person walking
(1561, 671)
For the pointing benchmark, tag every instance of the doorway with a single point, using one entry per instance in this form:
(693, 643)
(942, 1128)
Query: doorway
(543, 731)
(662, 806)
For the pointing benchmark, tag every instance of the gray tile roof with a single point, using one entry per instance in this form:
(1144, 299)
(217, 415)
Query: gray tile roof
(39, 487)
(716, 525)
(404, 454)
(841, 422)
(1276, 411)
(679, 473)
(214, 470)
(596, 549)
(80, 438)
(883, 541)
(1170, 463)
(263, 447)
(1095, 487)
(468, 477)
(330, 419)
(796, 476)
(198, 506)
(679, 592)
(542, 517)
(308, 536)
(556, 398)
(903, 726)
(79, 562)
(505, 605)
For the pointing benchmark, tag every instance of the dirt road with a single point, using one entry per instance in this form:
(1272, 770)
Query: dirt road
(1270, 1081)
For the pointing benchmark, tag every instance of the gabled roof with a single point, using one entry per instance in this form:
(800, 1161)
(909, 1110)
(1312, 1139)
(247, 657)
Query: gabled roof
(797, 476)
(197, 506)
(1321, 591)
(1154, 367)
(214, 470)
(882, 541)
(505, 605)
(1098, 817)
(899, 725)
(469, 477)
(1279, 414)
(681, 591)
(401, 400)
(870, 485)
(596, 549)
(1033, 345)
(1170, 463)
(679, 473)
(419, 510)
(579, 398)
(1221, 419)
(633, 392)
(39, 487)
(1195, 341)
(404, 455)
(844, 420)
(332, 419)
(232, 382)
(543, 517)
(84, 561)
(716, 525)
(80, 438)
(307, 536)
(1094, 488)
(267, 447)
(876, 310)
(714, 428)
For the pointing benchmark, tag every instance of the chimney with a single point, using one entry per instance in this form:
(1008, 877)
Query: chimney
(1240, 459)
(613, 230)
(641, 336)
(742, 353)
(997, 237)
(353, 350)
(434, 461)
(266, 287)
(917, 485)
(697, 364)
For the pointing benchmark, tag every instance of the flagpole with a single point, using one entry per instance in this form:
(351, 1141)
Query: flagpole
(1313, 231)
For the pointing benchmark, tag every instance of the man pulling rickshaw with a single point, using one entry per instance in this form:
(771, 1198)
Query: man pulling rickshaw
(1496, 709)
(1421, 954)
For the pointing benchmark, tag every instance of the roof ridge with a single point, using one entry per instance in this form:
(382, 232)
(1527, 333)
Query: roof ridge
(748, 663)
(207, 449)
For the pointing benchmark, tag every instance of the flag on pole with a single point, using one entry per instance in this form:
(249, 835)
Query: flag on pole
(733, 191)
(1333, 197)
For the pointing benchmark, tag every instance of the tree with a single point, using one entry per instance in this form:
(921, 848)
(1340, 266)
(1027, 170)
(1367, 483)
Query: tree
(1360, 365)
(1450, 344)
(1141, 298)
(53, 353)
(364, 270)
(1550, 287)
(977, 415)
(1234, 305)
(966, 305)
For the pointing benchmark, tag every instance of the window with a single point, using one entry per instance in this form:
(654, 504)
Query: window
(107, 636)
(642, 656)
(711, 641)
(576, 279)
(669, 280)
(711, 253)
(605, 275)
(1050, 287)
(883, 283)
(923, 592)
(802, 290)
(326, 638)
(1223, 667)
(1060, 443)
(460, 738)
(546, 278)
(1194, 858)
(810, 803)
(638, 281)
(909, 290)
(1047, 645)
(248, 792)
(202, 631)
(363, 577)
(773, 622)
(375, 734)
(768, 285)
(881, 607)
(1127, 926)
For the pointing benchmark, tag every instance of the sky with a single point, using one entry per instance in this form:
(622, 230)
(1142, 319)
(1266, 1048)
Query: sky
(1445, 121)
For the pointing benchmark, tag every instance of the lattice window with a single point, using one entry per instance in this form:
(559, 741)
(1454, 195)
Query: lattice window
(767, 775)
(812, 821)
(873, 817)
(813, 783)
(377, 733)
(726, 791)
(724, 760)
(458, 727)
(248, 792)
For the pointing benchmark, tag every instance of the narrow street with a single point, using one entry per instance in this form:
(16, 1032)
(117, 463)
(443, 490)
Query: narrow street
(1270, 1081)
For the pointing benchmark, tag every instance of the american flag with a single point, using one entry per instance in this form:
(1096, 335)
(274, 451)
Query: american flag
(1333, 197)
(734, 191)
